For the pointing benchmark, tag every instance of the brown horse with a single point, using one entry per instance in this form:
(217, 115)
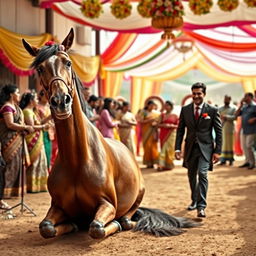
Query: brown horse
(94, 181)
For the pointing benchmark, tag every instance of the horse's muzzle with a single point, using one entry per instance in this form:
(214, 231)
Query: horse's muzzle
(61, 105)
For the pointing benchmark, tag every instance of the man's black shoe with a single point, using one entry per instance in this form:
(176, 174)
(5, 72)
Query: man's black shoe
(201, 213)
(192, 207)
(251, 167)
(244, 165)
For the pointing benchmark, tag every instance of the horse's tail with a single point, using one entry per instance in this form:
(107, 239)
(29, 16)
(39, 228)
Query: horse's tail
(158, 223)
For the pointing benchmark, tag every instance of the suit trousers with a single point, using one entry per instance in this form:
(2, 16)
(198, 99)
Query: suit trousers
(248, 141)
(198, 168)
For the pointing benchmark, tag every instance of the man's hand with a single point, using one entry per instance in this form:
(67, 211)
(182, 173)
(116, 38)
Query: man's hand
(215, 158)
(178, 155)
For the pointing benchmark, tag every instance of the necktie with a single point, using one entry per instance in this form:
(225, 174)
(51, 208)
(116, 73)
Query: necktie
(197, 113)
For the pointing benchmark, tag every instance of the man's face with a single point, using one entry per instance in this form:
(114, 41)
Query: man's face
(227, 100)
(198, 96)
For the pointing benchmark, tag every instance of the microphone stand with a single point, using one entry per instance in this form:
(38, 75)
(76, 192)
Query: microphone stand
(21, 203)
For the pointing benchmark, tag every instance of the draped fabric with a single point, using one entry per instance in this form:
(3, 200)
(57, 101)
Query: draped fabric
(13, 54)
(17, 60)
(242, 15)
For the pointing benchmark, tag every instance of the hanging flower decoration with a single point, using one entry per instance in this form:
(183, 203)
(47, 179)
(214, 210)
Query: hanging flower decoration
(144, 8)
(250, 3)
(91, 8)
(121, 8)
(200, 7)
(228, 5)
(167, 8)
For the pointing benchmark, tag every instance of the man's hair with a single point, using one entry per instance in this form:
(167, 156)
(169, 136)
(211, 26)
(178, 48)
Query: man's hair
(199, 85)
(249, 94)
(93, 98)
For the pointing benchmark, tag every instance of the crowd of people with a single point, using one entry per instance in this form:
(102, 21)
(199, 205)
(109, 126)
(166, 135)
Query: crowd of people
(212, 133)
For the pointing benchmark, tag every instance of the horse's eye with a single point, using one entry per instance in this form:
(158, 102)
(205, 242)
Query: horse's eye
(39, 70)
(68, 64)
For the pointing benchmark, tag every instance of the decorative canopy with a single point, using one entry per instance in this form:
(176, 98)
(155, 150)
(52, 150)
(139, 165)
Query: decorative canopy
(136, 24)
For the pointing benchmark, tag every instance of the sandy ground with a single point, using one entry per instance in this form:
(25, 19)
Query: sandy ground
(229, 228)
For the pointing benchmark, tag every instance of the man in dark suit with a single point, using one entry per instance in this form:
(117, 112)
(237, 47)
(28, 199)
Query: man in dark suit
(201, 151)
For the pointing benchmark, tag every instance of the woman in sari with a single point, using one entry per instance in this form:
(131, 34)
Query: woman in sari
(147, 119)
(126, 132)
(48, 134)
(106, 122)
(37, 172)
(12, 127)
(168, 125)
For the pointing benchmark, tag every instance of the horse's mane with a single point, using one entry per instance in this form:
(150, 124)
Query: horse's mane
(79, 89)
(45, 53)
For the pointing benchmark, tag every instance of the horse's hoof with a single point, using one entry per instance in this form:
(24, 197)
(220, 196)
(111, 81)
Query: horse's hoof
(96, 230)
(125, 223)
(47, 229)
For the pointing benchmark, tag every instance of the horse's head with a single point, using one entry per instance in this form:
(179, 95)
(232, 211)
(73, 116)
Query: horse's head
(54, 70)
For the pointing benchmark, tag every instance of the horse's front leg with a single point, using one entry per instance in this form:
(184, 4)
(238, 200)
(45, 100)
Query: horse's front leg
(55, 223)
(103, 224)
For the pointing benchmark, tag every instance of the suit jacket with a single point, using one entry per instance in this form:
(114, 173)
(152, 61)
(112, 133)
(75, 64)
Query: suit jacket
(200, 131)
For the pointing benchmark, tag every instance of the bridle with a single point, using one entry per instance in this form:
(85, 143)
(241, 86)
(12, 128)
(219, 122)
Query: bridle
(70, 87)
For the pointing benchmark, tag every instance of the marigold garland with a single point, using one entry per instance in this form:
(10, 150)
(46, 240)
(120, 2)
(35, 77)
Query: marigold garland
(200, 7)
(91, 8)
(144, 8)
(121, 8)
(250, 3)
(228, 5)
(166, 8)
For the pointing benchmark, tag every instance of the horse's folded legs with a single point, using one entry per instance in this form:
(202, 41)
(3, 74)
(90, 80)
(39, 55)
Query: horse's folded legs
(126, 223)
(97, 230)
(48, 230)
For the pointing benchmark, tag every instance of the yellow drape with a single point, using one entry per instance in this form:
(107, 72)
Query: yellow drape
(86, 67)
(111, 84)
(11, 44)
(14, 50)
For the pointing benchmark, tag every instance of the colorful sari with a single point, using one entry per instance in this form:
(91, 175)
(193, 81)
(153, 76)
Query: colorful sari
(12, 152)
(167, 141)
(48, 135)
(127, 133)
(149, 138)
(37, 172)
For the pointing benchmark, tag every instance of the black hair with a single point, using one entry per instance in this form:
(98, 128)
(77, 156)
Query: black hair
(249, 94)
(126, 103)
(92, 98)
(169, 103)
(149, 103)
(199, 85)
(6, 92)
(26, 98)
(107, 102)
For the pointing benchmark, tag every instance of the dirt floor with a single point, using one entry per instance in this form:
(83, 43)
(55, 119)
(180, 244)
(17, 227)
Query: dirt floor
(229, 228)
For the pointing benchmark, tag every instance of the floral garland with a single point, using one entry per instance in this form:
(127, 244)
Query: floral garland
(91, 8)
(144, 8)
(228, 5)
(200, 7)
(166, 8)
(121, 8)
(250, 3)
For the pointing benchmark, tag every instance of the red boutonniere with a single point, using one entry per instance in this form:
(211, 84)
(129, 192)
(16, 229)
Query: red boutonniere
(206, 116)
(49, 43)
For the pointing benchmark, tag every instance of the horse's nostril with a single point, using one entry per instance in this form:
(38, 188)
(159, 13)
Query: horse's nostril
(54, 102)
(67, 99)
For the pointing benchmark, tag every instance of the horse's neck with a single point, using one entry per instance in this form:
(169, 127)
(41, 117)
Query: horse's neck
(72, 135)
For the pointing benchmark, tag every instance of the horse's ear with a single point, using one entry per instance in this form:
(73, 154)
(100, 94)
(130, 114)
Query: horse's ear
(32, 50)
(68, 41)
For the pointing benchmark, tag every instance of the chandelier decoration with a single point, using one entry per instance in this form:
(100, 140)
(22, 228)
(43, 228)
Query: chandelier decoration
(183, 45)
